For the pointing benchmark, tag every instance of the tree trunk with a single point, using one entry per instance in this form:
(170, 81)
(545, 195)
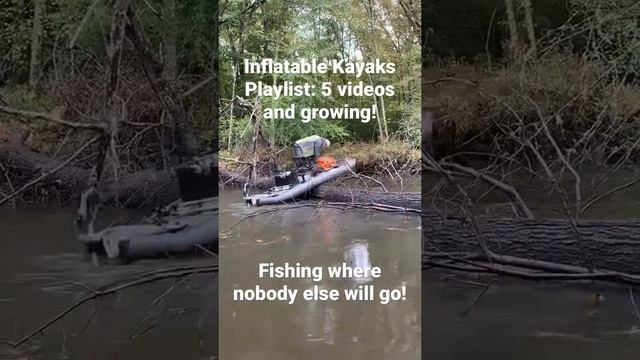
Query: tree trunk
(408, 200)
(378, 118)
(383, 114)
(272, 135)
(36, 42)
(611, 245)
(231, 107)
(186, 142)
(112, 105)
(169, 39)
(427, 131)
(256, 118)
(514, 39)
(144, 188)
(215, 83)
(528, 20)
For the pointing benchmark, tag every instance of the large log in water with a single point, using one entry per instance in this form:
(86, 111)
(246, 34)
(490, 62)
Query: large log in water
(229, 178)
(144, 188)
(15, 156)
(601, 244)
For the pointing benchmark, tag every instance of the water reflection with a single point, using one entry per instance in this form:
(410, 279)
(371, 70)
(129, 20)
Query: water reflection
(319, 329)
(357, 255)
(518, 319)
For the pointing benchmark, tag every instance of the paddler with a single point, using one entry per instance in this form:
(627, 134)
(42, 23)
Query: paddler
(307, 150)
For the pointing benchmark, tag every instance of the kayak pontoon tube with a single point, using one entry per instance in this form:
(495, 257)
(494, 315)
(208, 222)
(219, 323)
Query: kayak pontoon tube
(136, 241)
(180, 227)
(301, 189)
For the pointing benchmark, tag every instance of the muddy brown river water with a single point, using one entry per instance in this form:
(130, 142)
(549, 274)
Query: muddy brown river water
(43, 271)
(339, 329)
(524, 320)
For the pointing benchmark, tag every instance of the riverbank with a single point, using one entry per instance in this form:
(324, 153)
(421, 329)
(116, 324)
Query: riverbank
(491, 110)
(392, 158)
(31, 178)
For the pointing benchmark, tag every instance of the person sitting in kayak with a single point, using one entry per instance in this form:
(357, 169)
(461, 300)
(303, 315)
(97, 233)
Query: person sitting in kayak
(306, 154)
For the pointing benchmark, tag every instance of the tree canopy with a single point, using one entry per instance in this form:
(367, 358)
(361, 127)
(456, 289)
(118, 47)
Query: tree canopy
(322, 29)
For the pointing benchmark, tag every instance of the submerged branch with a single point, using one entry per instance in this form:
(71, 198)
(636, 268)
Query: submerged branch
(119, 286)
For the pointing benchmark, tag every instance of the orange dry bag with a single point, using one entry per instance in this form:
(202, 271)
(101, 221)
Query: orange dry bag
(326, 162)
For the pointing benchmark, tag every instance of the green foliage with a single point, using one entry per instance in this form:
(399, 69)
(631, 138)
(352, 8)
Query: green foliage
(45, 136)
(15, 32)
(285, 133)
(61, 21)
(73, 63)
(22, 98)
(585, 113)
(322, 29)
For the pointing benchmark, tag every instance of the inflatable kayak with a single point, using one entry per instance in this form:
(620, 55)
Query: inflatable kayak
(300, 186)
(187, 225)
(183, 227)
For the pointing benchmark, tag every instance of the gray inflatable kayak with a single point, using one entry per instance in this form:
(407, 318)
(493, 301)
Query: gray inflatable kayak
(183, 227)
(282, 194)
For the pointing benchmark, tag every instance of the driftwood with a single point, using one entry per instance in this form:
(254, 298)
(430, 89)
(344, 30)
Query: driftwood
(48, 173)
(19, 157)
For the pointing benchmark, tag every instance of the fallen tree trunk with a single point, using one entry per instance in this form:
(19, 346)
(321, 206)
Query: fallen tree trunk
(144, 188)
(228, 178)
(14, 156)
(410, 200)
(613, 245)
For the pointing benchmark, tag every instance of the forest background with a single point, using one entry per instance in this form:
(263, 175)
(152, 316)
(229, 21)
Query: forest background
(388, 30)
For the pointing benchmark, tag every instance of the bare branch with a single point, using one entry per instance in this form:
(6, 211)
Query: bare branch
(50, 117)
